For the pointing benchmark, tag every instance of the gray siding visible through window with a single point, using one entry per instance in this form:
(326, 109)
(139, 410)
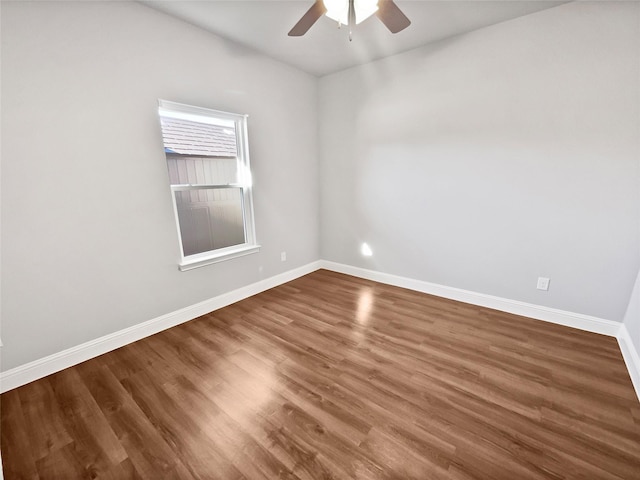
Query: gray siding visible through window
(185, 170)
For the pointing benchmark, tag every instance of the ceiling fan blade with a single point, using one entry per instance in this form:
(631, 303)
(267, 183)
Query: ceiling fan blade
(393, 18)
(308, 19)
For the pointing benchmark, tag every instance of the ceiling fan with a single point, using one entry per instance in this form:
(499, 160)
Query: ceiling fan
(350, 12)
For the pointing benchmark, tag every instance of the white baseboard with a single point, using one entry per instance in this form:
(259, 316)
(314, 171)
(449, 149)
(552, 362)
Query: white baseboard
(59, 361)
(631, 357)
(561, 317)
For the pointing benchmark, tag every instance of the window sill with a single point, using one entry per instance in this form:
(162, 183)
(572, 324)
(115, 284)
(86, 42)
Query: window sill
(201, 261)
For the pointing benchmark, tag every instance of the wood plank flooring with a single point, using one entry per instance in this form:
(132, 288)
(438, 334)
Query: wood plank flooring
(334, 377)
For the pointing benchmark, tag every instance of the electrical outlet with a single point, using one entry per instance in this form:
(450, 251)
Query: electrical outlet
(543, 283)
(283, 256)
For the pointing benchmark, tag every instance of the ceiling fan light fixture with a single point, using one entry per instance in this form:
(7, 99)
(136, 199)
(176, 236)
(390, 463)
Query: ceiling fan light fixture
(346, 12)
(364, 9)
(338, 10)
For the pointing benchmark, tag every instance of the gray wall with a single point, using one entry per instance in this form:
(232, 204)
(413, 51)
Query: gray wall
(489, 159)
(89, 243)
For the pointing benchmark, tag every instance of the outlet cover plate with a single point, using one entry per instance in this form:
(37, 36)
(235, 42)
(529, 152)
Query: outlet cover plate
(543, 283)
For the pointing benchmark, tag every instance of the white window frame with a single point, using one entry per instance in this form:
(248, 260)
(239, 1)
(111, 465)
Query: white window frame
(188, 262)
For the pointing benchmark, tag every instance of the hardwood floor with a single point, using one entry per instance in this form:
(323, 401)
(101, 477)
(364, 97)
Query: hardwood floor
(331, 376)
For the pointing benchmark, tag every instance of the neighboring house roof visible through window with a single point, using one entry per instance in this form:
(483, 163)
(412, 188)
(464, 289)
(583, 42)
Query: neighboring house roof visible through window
(185, 137)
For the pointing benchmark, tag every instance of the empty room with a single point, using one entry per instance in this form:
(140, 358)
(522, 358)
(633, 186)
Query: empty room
(307, 239)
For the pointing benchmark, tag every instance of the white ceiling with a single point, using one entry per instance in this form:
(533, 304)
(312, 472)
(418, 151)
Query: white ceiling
(263, 25)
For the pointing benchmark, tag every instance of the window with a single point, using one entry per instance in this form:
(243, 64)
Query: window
(208, 160)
